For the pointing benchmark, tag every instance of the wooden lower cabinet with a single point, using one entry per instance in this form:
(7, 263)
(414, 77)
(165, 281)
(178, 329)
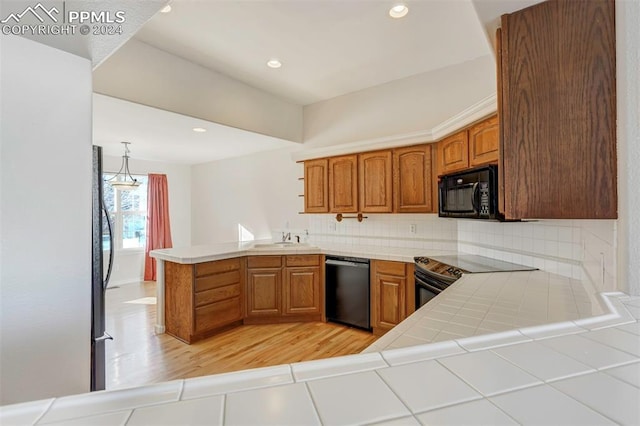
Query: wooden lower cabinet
(289, 289)
(264, 292)
(302, 291)
(204, 298)
(392, 294)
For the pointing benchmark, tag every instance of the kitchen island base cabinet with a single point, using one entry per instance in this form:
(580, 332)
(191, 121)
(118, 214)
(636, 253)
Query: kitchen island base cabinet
(284, 289)
(392, 294)
(203, 299)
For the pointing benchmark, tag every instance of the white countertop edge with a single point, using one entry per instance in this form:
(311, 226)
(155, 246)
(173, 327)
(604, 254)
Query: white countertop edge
(617, 315)
(199, 254)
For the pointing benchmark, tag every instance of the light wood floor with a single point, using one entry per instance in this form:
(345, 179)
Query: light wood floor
(137, 356)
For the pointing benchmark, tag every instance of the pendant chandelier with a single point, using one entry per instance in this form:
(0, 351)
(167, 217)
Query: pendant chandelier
(126, 182)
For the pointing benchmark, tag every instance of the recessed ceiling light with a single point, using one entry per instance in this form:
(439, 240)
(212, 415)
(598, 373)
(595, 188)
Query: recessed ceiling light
(199, 129)
(166, 9)
(274, 63)
(398, 11)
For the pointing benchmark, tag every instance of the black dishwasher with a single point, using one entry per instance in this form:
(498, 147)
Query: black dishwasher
(347, 291)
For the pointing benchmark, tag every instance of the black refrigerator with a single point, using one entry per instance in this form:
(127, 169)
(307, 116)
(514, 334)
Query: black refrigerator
(102, 233)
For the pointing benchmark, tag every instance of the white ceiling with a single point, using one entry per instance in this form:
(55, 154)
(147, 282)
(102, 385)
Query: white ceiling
(159, 135)
(328, 47)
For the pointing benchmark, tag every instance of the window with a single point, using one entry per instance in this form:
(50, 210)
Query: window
(128, 214)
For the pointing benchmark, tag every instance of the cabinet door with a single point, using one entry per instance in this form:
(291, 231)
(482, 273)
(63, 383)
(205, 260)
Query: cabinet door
(483, 142)
(316, 186)
(413, 187)
(376, 183)
(343, 184)
(559, 111)
(390, 301)
(388, 295)
(264, 292)
(302, 291)
(453, 153)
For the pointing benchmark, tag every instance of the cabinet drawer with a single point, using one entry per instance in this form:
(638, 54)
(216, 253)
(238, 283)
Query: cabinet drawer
(391, 268)
(264, 261)
(215, 281)
(217, 314)
(305, 260)
(217, 294)
(217, 266)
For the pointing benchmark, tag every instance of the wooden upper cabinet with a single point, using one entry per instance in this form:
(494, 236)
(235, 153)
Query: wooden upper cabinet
(412, 171)
(376, 182)
(558, 111)
(499, 60)
(316, 186)
(453, 153)
(484, 142)
(343, 184)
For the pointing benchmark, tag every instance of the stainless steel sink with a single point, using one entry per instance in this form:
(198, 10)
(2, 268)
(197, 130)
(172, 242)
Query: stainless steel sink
(281, 245)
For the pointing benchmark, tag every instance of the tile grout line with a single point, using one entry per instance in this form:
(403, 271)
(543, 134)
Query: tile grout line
(313, 402)
(223, 415)
(555, 379)
(46, 410)
(181, 391)
(583, 404)
(497, 393)
(396, 395)
(129, 417)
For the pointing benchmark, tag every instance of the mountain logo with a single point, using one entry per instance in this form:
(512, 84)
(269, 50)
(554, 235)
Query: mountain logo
(39, 11)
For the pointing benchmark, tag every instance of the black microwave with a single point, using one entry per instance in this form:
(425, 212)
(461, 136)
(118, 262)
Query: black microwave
(471, 194)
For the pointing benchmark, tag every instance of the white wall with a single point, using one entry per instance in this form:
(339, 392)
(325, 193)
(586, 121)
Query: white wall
(258, 191)
(45, 225)
(128, 264)
(141, 73)
(406, 106)
(628, 97)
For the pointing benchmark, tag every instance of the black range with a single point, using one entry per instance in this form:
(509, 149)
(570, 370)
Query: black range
(434, 274)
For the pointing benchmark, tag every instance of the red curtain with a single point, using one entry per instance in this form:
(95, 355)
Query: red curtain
(158, 228)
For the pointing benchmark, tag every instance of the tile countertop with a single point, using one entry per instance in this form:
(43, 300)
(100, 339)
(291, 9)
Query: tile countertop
(207, 253)
(581, 368)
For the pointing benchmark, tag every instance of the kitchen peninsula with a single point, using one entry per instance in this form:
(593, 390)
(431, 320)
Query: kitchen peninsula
(262, 264)
(583, 369)
(497, 301)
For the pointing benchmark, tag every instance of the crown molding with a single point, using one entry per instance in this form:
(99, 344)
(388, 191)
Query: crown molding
(475, 112)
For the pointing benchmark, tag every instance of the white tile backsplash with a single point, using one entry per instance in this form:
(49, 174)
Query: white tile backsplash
(580, 249)
(386, 230)
(571, 248)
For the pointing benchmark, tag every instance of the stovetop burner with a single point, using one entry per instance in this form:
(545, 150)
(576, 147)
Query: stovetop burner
(453, 266)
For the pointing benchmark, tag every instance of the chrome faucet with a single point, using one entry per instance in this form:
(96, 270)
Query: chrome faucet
(286, 236)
